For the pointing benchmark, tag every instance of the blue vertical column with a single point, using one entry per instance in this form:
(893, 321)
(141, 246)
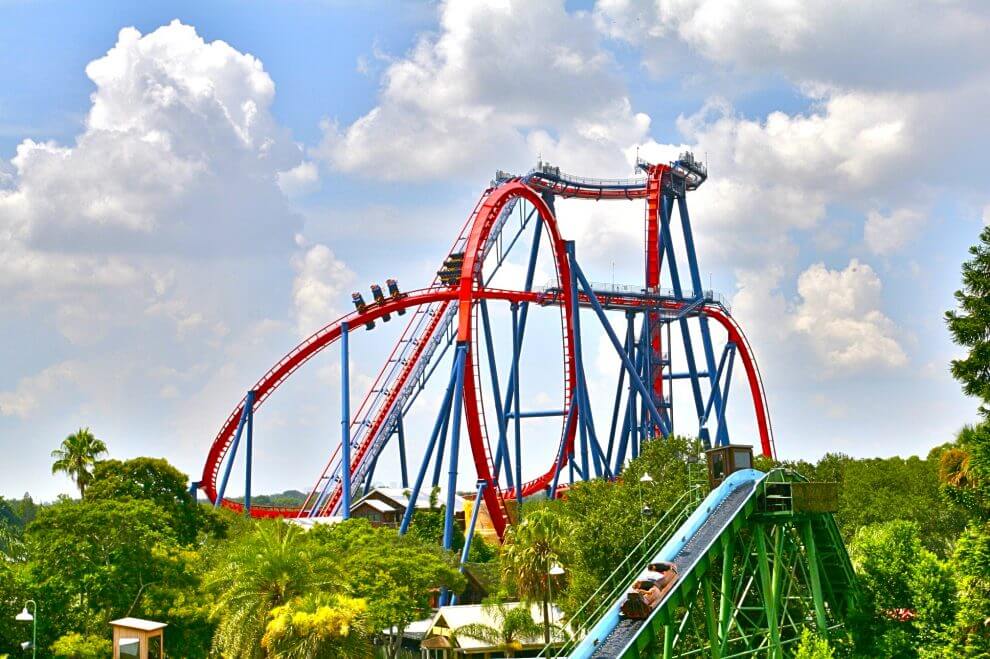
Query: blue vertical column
(469, 536)
(515, 400)
(232, 453)
(345, 422)
(249, 457)
(402, 454)
(455, 437)
(442, 415)
(692, 257)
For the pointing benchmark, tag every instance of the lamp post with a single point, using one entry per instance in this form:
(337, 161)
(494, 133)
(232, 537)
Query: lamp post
(644, 510)
(555, 571)
(31, 617)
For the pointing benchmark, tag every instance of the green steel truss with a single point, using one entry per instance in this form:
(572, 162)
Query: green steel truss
(772, 572)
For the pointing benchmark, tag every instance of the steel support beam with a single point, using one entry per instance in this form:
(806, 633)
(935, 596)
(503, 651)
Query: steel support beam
(634, 376)
(442, 415)
(232, 453)
(345, 422)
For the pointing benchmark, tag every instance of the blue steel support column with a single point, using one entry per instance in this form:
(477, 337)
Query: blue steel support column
(706, 337)
(345, 422)
(232, 453)
(400, 429)
(497, 393)
(515, 399)
(722, 438)
(618, 394)
(469, 536)
(440, 450)
(718, 378)
(587, 427)
(442, 415)
(675, 279)
(563, 449)
(534, 252)
(633, 375)
(248, 458)
(455, 437)
(692, 256)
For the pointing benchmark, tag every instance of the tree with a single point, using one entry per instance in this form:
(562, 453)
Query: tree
(77, 456)
(909, 593)
(531, 548)
(813, 646)
(263, 571)
(514, 626)
(318, 626)
(154, 480)
(76, 646)
(969, 323)
(94, 561)
(397, 576)
(606, 520)
(966, 473)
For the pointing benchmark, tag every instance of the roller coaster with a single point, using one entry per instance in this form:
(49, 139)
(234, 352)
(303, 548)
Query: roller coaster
(678, 334)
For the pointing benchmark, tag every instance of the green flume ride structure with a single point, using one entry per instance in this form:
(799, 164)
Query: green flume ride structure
(758, 560)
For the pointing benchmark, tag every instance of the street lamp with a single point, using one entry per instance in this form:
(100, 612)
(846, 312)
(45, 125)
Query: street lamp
(555, 571)
(645, 478)
(25, 616)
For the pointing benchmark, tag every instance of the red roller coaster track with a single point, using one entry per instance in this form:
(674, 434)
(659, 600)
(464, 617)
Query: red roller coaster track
(466, 294)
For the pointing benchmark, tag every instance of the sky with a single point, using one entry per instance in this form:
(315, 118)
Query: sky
(189, 189)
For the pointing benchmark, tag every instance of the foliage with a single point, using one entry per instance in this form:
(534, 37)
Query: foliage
(606, 520)
(262, 572)
(969, 323)
(972, 560)
(76, 646)
(396, 575)
(813, 646)
(318, 626)
(92, 561)
(876, 490)
(908, 591)
(77, 456)
(515, 625)
(155, 480)
(11, 597)
(531, 548)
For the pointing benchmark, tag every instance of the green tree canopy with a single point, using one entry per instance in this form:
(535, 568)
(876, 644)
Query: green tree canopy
(76, 646)
(318, 626)
(261, 572)
(532, 547)
(157, 481)
(77, 456)
(397, 576)
(969, 323)
(93, 561)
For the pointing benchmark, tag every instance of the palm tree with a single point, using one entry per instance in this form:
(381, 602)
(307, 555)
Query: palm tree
(77, 456)
(531, 548)
(264, 570)
(318, 626)
(514, 626)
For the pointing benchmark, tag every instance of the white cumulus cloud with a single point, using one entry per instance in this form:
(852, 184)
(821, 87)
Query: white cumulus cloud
(885, 234)
(320, 284)
(839, 313)
(479, 94)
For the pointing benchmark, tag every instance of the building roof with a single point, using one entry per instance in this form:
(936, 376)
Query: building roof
(306, 523)
(377, 504)
(400, 498)
(138, 623)
(453, 617)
